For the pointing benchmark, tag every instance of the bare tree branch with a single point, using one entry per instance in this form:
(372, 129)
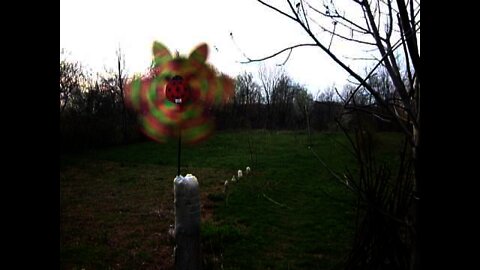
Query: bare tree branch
(390, 17)
(374, 114)
(304, 15)
(296, 15)
(333, 34)
(364, 31)
(391, 66)
(385, 55)
(288, 57)
(415, 16)
(386, 3)
(411, 39)
(339, 95)
(379, 12)
(231, 36)
(277, 53)
(380, 99)
(341, 36)
(279, 11)
(366, 20)
(405, 51)
(361, 58)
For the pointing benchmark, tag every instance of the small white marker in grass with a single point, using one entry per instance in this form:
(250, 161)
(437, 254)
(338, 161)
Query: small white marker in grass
(240, 174)
(225, 186)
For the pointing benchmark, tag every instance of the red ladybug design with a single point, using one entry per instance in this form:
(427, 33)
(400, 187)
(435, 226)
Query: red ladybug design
(177, 90)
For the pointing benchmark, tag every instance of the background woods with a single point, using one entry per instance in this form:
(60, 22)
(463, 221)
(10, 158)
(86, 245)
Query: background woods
(93, 114)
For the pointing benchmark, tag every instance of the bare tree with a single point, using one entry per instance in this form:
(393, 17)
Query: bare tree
(247, 90)
(380, 18)
(72, 78)
(269, 81)
(303, 102)
(112, 84)
(389, 28)
(327, 95)
(121, 76)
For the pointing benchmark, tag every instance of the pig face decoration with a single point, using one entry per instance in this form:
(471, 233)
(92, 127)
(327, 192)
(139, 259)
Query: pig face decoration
(177, 95)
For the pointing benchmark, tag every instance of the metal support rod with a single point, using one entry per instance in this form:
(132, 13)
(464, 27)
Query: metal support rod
(179, 150)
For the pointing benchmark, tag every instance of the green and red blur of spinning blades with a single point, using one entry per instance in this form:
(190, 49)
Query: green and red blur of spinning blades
(176, 97)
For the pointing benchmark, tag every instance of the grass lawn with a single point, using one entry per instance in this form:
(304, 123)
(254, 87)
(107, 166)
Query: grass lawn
(290, 213)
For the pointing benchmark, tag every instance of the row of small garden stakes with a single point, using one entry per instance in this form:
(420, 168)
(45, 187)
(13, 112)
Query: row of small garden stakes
(187, 219)
(235, 179)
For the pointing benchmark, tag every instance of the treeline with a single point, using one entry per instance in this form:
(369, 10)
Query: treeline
(92, 109)
(276, 102)
(93, 113)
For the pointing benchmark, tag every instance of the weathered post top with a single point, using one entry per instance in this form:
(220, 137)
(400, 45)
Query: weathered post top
(187, 223)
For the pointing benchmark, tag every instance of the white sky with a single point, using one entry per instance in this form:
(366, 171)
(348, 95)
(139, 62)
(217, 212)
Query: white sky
(92, 30)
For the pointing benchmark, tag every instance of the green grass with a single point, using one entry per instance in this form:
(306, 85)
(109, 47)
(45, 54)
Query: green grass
(290, 213)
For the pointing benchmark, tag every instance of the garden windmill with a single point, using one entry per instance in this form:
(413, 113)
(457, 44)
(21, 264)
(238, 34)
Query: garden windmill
(173, 101)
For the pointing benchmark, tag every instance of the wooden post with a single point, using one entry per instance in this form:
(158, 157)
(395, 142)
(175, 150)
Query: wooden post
(187, 223)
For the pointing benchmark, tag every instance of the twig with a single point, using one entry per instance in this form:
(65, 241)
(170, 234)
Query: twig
(333, 34)
(329, 169)
(284, 62)
(341, 36)
(179, 150)
(276, 9)
(277, 53)
(365, 31)
(275, 202)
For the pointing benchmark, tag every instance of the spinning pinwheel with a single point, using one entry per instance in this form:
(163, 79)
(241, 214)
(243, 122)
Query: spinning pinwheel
(174, 100)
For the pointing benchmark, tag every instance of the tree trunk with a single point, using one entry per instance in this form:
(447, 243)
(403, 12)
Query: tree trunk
(124, 112)
(417, 190)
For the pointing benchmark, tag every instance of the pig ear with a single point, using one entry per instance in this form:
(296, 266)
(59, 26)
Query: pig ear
(161, 54)
(200, 53)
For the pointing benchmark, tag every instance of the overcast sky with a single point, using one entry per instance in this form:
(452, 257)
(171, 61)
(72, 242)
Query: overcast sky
(92, 30)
